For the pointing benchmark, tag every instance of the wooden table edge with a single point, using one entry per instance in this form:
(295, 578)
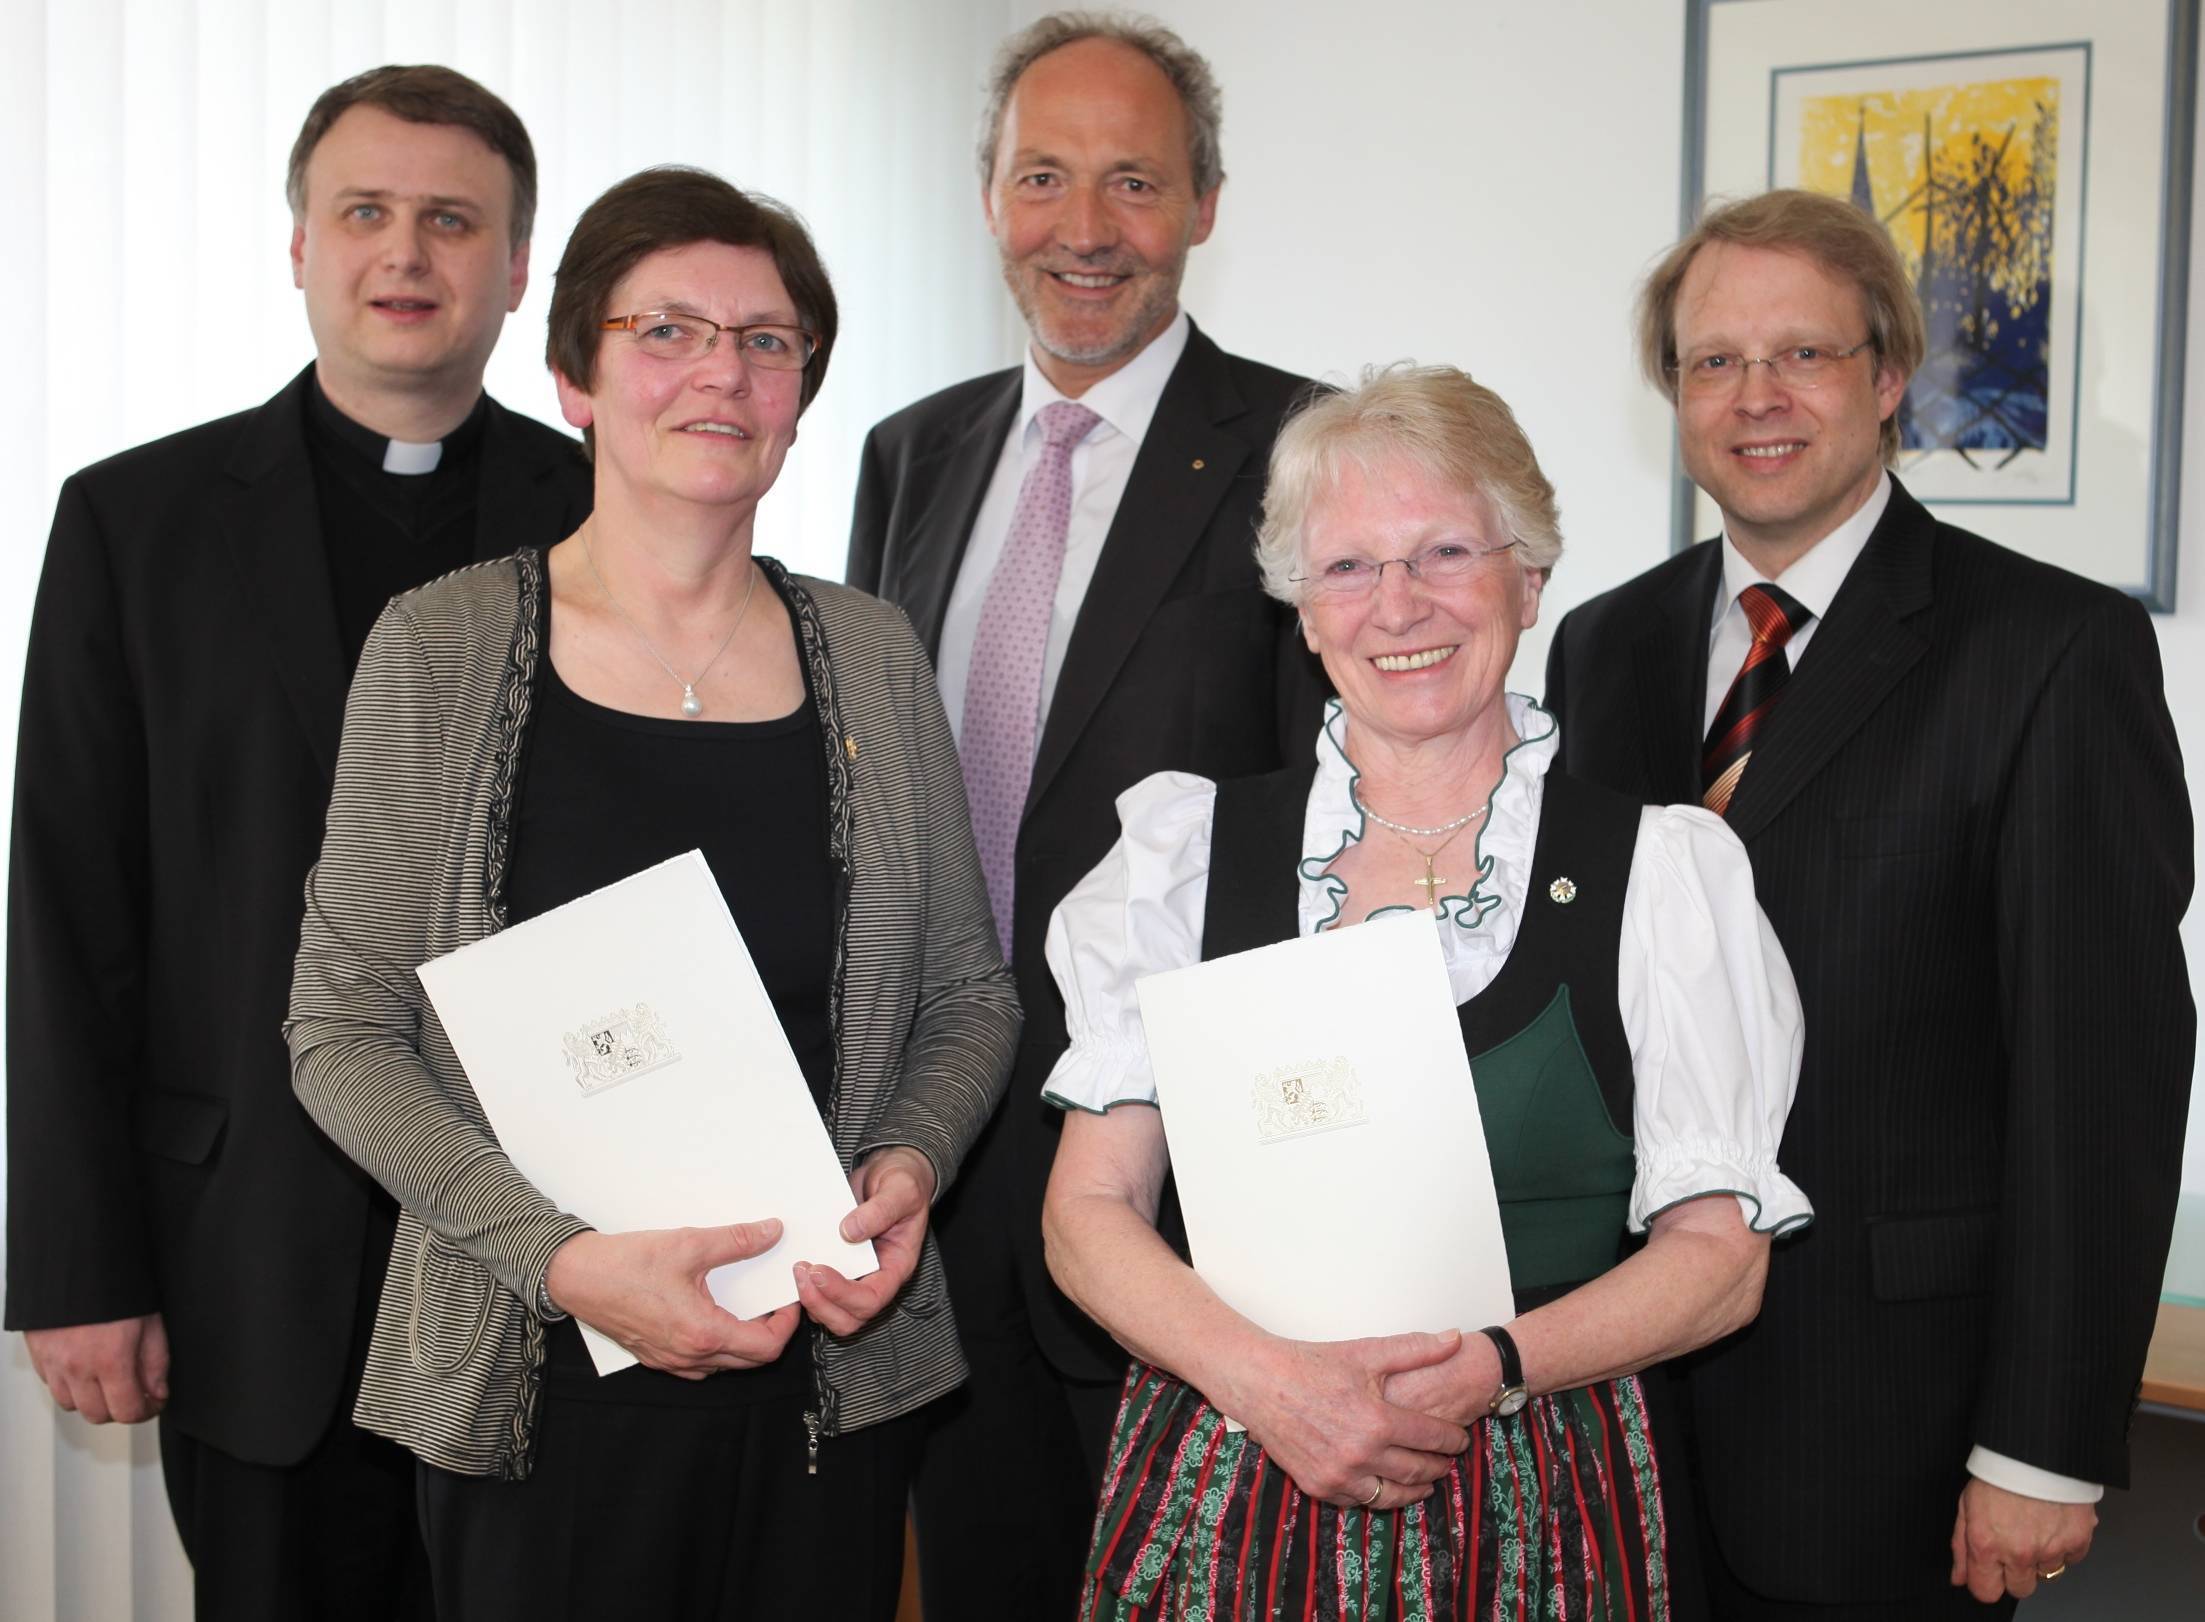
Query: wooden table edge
(2174, 1368)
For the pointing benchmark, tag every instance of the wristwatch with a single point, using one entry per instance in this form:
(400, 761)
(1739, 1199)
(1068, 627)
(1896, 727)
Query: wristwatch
(1512, 1396)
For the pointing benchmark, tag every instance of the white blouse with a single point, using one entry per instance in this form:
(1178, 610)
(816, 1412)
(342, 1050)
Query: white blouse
(1707, 999)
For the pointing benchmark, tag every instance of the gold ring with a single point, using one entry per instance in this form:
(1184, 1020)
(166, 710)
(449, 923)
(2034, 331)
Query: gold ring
(2047, 1576)
(1376, 1487)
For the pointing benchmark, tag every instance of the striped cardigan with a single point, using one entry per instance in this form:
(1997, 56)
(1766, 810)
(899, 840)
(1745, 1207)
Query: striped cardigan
(413, 865)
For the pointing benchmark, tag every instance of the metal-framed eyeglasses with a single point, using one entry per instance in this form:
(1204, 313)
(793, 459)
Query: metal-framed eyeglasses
(1800, 366)
(679, 335)
(1442, 564)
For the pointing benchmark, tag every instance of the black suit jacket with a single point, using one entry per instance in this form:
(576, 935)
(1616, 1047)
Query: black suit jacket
(1968, 825)
(182, 701)
(1178, 661)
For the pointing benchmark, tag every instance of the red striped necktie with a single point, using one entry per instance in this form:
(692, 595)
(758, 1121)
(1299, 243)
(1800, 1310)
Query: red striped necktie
(1774, 615)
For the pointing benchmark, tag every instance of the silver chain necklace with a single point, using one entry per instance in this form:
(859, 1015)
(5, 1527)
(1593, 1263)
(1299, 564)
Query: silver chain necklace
(691, 705)
(1462, 821)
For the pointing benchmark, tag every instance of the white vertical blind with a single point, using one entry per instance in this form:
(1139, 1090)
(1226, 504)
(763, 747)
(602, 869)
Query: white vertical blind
(142, 145)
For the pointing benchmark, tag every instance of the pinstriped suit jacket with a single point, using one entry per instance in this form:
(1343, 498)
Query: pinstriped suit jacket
(1968, 824)
(413, 866)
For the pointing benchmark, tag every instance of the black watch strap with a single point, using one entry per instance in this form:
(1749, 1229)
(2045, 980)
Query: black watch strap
(1512, 1365)
(1510, 1397)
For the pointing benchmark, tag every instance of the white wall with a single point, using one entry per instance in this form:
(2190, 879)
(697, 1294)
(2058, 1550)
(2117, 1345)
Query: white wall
(2182, 633)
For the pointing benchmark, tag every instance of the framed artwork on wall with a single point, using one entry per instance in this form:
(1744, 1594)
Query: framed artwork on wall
(2032, 161)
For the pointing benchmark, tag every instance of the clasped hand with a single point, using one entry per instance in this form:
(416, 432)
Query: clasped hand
(1321, 1409)
(647, 1289)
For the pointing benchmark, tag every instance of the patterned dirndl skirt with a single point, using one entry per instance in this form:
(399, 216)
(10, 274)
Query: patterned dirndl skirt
(1554, 1514)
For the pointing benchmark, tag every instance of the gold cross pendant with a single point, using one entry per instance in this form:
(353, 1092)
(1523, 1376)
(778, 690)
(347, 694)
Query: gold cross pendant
(1429, 884)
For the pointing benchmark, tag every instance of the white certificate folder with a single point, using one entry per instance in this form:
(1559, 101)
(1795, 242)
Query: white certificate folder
(629, 1060)
(1325, 1136)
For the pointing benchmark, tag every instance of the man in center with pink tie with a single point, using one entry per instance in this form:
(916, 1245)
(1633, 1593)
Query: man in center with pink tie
(1072, 538)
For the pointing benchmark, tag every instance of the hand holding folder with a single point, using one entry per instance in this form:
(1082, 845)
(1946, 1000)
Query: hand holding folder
(646, 1293)
(895, 1188)
(630, 1063)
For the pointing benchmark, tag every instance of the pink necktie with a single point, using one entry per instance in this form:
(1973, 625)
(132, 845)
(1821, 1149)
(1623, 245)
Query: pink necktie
(1003, 687)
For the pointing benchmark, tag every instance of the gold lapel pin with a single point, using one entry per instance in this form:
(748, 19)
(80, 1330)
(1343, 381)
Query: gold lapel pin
(1198, 464)
(1564, 891)
(850, 749)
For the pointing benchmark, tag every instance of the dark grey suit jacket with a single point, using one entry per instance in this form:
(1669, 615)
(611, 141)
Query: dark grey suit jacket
(1968, 824)
(1178, 661)
(182, 699)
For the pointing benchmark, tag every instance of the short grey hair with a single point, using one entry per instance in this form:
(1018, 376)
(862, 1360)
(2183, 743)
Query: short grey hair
(1434, 418)
(1178, 61)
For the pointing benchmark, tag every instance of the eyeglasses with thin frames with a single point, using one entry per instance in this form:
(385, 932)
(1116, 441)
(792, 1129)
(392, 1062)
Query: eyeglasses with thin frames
(1801, 366)
(1442, 564)
(679, 335)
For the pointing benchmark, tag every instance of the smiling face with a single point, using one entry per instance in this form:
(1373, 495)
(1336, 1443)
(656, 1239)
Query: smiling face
(1093, 207)
(405, 255)
(1412, 664)
(1786, 465)
(711, 431)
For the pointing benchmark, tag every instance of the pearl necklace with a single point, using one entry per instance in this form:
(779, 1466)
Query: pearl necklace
(1462, 821)
(691, 705)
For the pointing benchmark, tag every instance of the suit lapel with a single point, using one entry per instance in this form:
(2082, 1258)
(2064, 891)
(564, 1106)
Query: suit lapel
(1670, 666)
(274, 532)
(1186, 464)
(1871, 638)
(516, 495)
(924, 565)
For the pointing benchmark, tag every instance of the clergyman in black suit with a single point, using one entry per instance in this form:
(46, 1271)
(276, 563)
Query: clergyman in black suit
(1146, 643)
(1955, 773)
(182, 1241)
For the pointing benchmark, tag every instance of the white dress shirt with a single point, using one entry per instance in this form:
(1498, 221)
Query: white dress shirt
(1101, 464)
(1707, 999)
(1813, 581)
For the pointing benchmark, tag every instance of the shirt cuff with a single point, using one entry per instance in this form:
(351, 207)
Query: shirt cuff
(1098, 1071)
(2029, 1481)
(1686, 1168)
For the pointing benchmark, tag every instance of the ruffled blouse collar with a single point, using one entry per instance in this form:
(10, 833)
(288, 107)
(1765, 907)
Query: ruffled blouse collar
(1478, 924)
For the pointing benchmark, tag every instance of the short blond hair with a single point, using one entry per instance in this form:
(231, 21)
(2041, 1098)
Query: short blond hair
(1434, 418)
(1846, 242)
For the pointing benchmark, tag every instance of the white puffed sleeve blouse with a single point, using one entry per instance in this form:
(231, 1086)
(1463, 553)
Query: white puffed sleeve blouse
(1707, 1000)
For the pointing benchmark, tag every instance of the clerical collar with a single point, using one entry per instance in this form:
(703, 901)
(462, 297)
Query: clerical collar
(395, 455)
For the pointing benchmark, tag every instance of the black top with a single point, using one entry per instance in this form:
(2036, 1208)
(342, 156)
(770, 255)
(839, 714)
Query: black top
(385, 533)
(605, 794)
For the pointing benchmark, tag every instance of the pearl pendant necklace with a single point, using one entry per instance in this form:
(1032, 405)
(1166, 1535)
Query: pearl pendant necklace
(691, 705)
